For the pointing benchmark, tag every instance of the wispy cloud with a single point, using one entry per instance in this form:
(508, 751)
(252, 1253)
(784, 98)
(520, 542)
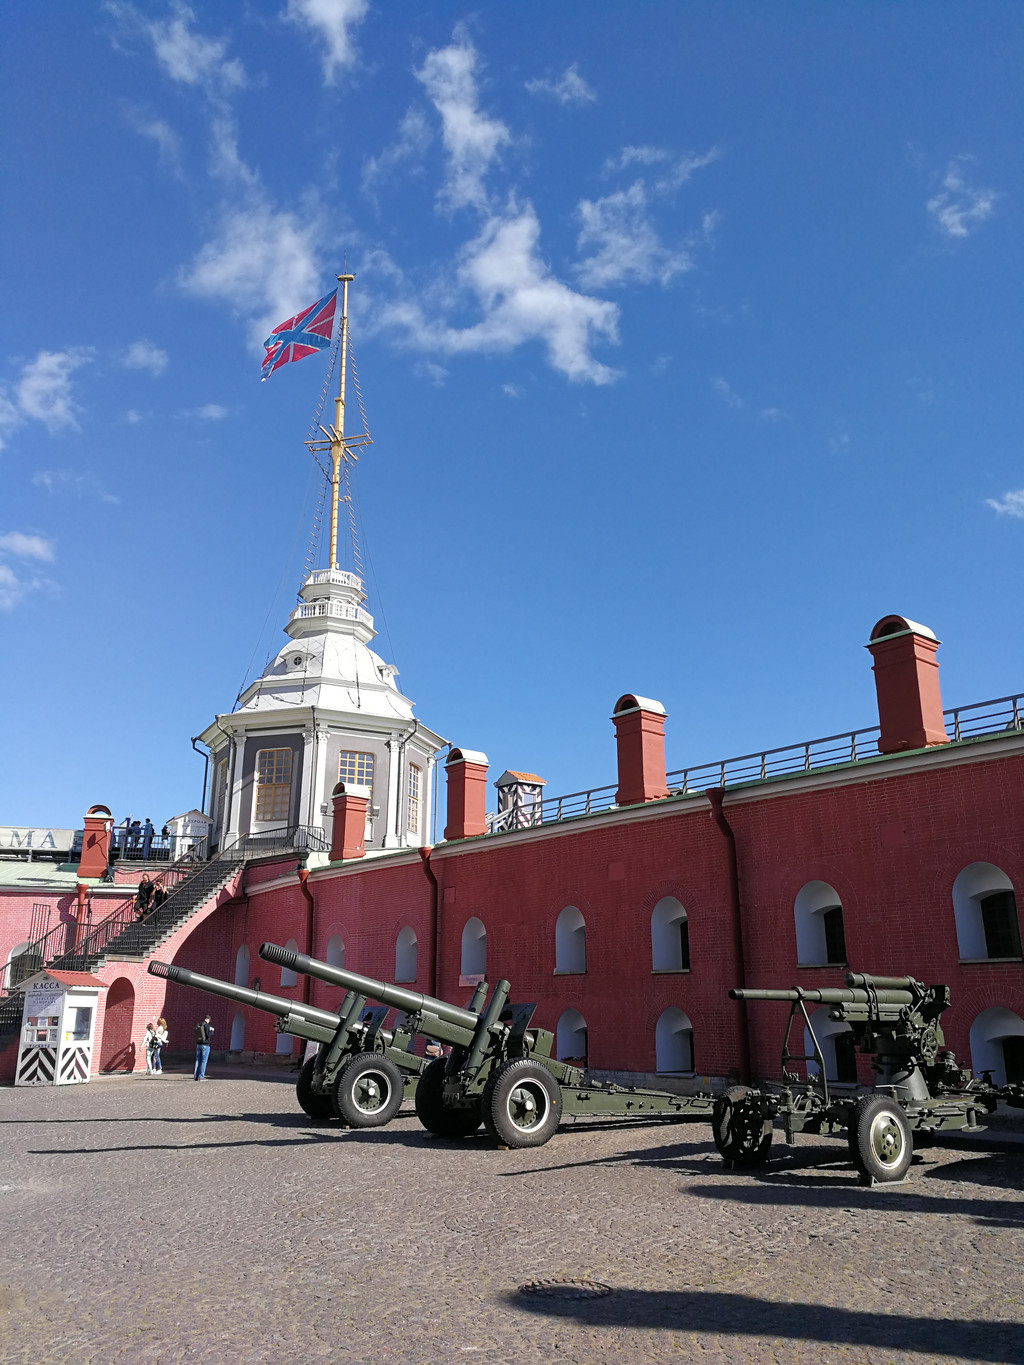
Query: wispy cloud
(17, 583)
(160, 132)
(434, 374)
(676, 169)
(732, 399)
(43, 393)
(186, 56)
(414, 137)
(210, 412)
(727, 393)
(624, 243)
(569, 88)
(1009, 505)
(72, 483)
(959, 208)
(472, 139)
(143, 355)
(332, 23)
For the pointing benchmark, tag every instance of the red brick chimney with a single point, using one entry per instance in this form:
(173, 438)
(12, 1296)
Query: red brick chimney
(95, 842)
(348, 839)
(640, 740)
(467, 794)
(907, 684)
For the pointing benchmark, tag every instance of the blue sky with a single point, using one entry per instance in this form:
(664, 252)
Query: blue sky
(690, 337)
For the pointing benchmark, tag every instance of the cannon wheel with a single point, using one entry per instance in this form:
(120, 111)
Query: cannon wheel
(316, 1106)
(880, 1139)
(742, 1131)
(437, 1117)
(368, 1091)
(522, 1104)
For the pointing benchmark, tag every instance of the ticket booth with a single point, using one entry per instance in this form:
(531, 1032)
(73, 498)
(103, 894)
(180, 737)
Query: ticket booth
(58, 1026)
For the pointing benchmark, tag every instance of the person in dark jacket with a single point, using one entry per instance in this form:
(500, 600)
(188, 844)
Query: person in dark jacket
(204, 1032)
(143, 897)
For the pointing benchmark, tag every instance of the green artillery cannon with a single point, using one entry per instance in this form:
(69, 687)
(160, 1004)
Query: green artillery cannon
(499, 1071)
(918, 1086)
(354, 1032)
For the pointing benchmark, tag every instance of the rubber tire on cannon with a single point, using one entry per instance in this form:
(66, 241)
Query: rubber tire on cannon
(522, 1104)
(741, 1129)
(368, 1091)
(443, 1120)
(880, 1140)
(315, 1105)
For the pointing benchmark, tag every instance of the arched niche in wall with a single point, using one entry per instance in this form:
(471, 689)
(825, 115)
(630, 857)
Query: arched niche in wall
(985, 909)
(673, 1042)
(820, 934)
(997, 1045)
(406, 953)
(288, 978)
(117, 1052)
(570, 941)
(474, 948)
(670, 937)
(571, 1037)
(837, 1046)
(335, 954)
(20, 964)
(237, 1032)
(285, 1043)
(242, 966)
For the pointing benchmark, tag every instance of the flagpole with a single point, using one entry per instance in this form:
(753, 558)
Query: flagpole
(338, 433)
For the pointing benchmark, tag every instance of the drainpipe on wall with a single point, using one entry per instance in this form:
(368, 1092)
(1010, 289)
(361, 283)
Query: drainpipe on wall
(434, 917)
(716, 795)
(303, 875)
(206, 773)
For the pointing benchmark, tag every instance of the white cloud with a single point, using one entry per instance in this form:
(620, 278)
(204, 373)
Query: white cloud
(569, 88)
(143, 355)
(521, 301)
(471, 139)
(210, 412)
(414, 137)
(71, 483)
(26, 547)
(133, 416)
(727, 393)
(678, 169)
(186, 56)
(158, 130)
(332, 21)
(1010, 504)
(512, 390)
(959, 208)
(624, 243)
(42, 393)
(263, 262)
(434, 374)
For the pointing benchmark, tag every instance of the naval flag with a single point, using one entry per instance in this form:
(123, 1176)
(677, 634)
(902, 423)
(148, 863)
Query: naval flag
(301, 335)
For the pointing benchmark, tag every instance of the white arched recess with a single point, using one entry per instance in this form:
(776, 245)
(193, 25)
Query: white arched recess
(670, 936)
(406, 954)
(571, 1037)
(237, 1032)
(285, 1043)
(474, 948)
(972, 888)
(15, 973)
(288, 978)
(813, 902)
(335, 954)
(242, 966)
(841, 1066)
(570, 941)
(673, 1042)
(997, 1045)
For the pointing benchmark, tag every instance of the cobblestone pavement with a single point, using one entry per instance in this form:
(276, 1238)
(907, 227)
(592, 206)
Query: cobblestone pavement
(159, 1221)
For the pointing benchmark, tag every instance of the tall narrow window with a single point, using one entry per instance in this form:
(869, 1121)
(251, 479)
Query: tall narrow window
(413, 800)
(835, 938)
(999, 918)
(355, 769)
(273, 784)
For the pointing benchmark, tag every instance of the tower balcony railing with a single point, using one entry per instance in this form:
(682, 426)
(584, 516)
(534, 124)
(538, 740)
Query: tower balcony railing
(339, 576)
(344, 610)
(999, 716)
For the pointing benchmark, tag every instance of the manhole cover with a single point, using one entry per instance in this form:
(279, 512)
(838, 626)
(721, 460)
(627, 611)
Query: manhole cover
(565, 1289)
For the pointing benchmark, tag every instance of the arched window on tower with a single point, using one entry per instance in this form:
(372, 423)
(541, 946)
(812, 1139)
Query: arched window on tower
(571, 1038)
(985, 910)
(405, 954)
(288, 977)
(670, 937)
(838, 1048)
(474, 950)
(20, 965)
(237, 1042)
(242, 966)
(673, 1042)
(335, 954)
(820, 935)
(570, 941)
(997, 1045)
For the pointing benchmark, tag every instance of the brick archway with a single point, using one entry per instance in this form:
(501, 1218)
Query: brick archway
(117, 1052)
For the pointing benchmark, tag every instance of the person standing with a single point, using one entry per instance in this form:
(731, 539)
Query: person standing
(135, 831)
(161, 1041)
(147, 838)
(204, 1032)
(149, 1043)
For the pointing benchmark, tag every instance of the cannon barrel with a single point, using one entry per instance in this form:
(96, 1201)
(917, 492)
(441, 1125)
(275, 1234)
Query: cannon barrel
(880, 983)
(410, 1002)
(272, 1004)
(834, 995)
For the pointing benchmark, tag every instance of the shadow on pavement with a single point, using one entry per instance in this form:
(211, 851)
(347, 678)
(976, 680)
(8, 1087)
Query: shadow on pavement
(745, 1315)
